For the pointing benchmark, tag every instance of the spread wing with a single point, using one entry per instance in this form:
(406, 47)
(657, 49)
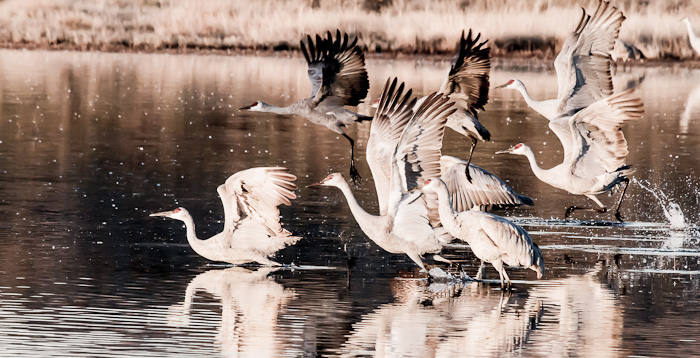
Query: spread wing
(467, 83)
(336, 68)
(599, 143)
(417, 155)
(411, 221)
(254, 195)
(485, 189)
(389, 121)
(583, 64)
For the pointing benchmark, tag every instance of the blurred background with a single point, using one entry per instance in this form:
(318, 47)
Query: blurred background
(523, 28)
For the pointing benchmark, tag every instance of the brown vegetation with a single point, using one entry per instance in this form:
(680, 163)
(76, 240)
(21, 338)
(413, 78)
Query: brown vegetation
(525, 28)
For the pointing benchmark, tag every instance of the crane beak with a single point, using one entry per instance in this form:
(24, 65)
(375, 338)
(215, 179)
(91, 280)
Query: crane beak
(314, 185)
(506, 151)
(501, 86)
(246, 107)
(162, 213)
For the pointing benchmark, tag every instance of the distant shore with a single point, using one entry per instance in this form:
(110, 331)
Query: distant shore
(387, 28)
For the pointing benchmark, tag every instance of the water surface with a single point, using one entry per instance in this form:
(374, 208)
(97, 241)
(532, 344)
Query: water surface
(90, 144)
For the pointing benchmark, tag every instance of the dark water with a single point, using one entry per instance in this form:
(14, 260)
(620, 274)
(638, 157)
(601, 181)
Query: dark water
(90, 144)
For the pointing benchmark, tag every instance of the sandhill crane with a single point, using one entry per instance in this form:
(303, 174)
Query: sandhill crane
(338, 78)
(582, 66)
(404, 227)
(483, 191)
(626, 51)
(493, 239)
(596, 162)
(467, 84)
(252, 229)
(694, 39)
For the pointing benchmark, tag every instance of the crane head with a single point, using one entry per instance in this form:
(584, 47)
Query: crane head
(375, 104)
(255, 107)
(519, 149)
(512, 83)
(334, 179)
(431, 184)
(177, 214)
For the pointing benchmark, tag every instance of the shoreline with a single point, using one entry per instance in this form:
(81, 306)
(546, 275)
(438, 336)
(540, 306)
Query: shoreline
(517, 58)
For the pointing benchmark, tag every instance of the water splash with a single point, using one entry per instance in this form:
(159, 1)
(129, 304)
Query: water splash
(672, 211)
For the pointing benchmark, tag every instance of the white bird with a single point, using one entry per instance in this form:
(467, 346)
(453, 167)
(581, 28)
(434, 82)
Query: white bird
(596, 162)
(582, 66)
(492, 238)
(467, 84)
(484, 190)
(338, 78)
(252, 229)
(404, 227)
(694, 39)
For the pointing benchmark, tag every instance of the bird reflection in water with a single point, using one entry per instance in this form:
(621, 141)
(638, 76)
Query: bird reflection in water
(444, 321)
(250, 302)
(558, 317)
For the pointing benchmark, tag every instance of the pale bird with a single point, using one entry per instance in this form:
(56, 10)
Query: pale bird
(582, 66)
(491, 238)
(404, 226)
(595, 163)
(252, 229)
(338, 78)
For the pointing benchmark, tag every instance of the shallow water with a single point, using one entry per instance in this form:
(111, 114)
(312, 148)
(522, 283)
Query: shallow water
(90, 144)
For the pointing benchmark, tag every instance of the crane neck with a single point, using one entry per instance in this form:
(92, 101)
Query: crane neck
(197, 244)
(545, 108)
(541, 174)
(691, 33)
(265, 107)
(448, 215)
(368, 223)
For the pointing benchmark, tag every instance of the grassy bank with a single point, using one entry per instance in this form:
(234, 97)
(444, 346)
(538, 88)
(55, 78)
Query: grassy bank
(525, 28)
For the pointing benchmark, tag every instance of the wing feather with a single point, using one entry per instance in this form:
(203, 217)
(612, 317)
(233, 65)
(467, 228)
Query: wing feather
(256, 193)
(467, 82)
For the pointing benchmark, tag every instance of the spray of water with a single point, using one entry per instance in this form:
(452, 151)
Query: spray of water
(672, 211)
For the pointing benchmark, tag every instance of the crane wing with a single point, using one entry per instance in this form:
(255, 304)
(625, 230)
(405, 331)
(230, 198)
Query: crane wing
(583, 64)
(336, 68)
(485, 188)
(417, 155)
(467, 82)
(393, 113)
(510, 238)
(255, 194)
(597, 134)
(411, 221)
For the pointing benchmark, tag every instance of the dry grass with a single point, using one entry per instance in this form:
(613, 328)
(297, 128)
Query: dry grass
(406, 26)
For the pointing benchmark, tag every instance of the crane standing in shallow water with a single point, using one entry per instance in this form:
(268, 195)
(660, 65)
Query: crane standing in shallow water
(252, 229)
(492, 238)
(338, 78)
(598, 150)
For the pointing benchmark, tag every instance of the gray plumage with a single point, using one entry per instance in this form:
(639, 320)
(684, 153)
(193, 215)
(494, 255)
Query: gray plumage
(336, 68)
(252, 230)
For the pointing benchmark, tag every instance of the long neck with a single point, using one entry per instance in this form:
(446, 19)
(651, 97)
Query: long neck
(278, 110)
(544, 108)
(691, 34)
(199, 246)
(448, 215)
(540, 173)
(368, 222)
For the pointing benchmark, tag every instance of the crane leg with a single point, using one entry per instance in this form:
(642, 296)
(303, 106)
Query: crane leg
(601, 210)
(354, 174)
(469, 159)
(618, 216)
(480, 272)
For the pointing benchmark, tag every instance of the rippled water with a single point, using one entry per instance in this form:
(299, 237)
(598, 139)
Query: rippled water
(90, 144)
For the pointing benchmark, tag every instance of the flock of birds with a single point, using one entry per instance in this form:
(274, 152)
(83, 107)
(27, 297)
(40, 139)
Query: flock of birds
(427, 199)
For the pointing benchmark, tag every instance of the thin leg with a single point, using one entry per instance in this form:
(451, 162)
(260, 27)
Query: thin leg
(469, 159)
(601, 210)
(354, 174)
(498, 265)
(442, 259)
(480, 272)
(417, 259)
(618, 216)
